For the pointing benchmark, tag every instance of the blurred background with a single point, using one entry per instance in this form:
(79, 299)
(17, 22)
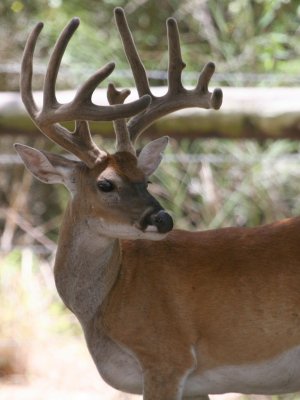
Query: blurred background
(239, 166)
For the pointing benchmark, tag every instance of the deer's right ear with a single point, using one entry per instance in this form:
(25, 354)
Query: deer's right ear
(47, 167)
(151, 155)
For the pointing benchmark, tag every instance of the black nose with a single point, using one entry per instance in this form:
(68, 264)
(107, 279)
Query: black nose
(163, 221)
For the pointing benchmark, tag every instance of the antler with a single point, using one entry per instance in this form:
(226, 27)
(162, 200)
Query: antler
(81, 108)
(177, 97)
(123, 142)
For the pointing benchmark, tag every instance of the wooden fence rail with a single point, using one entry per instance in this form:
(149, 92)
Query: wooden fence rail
(258, 113)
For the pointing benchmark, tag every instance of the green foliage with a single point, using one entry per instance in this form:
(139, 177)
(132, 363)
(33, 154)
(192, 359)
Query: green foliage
(240, 36)
(29, 303)
(255, 35)
(216, 183)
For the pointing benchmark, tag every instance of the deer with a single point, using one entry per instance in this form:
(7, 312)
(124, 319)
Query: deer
(166, 313)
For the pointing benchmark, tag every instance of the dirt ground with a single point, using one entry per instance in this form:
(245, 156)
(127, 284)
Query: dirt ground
(62, 369)
(59, 370)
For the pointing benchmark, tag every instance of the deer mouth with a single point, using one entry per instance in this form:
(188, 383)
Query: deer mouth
(156, 221)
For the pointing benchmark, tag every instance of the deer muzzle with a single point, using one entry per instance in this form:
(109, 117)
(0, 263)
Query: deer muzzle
(160, 219)
(163, 221)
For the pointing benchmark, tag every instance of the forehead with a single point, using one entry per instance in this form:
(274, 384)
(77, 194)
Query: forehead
(124, 165)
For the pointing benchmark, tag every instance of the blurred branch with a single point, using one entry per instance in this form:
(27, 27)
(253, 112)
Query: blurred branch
(13, 219)
(17, 201)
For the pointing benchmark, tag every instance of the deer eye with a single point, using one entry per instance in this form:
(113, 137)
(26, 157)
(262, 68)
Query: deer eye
(105, 185)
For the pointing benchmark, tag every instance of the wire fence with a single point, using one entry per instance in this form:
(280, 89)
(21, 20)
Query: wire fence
(232, 79)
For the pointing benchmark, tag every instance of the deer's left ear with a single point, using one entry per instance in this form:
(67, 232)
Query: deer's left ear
(151, 155)
(47, 167)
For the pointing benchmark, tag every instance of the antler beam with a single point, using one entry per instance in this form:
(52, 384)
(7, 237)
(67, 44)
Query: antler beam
(81, 108)
(177, 97)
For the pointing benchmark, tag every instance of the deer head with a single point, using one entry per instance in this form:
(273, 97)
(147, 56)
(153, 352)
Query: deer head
(109, 191)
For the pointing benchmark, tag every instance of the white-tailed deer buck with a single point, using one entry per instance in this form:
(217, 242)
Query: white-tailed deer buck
(175, 314)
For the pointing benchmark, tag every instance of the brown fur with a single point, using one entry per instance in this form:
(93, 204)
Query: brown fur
(234, 293)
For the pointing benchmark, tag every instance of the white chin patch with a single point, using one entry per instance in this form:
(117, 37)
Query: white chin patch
(151, 228)
(122, 231)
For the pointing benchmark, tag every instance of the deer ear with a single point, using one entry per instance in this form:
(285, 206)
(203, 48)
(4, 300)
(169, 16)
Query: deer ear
(47, 167)
(151, 155)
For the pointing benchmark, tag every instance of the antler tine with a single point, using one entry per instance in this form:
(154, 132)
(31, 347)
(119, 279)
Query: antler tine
(26, 71)
(177, 97)
(176, 65)
(55, 61)
(85, 92)
(202, 86)
(123, 142)
(137, 67)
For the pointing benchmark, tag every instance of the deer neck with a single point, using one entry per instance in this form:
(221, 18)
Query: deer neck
(86, 265)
